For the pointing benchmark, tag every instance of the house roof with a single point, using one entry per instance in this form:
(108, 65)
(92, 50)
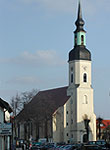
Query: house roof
(5, 105)
(104, 124)
(45, 102)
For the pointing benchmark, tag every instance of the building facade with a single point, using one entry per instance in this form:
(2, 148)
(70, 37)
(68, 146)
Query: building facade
(5, 126)
(103, 129)
(79, 120)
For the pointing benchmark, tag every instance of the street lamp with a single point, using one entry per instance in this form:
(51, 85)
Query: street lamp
(99, 126)
(86, 123)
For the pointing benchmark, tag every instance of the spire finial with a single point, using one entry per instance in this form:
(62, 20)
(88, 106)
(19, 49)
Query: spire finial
(79, 22)
(79, 11)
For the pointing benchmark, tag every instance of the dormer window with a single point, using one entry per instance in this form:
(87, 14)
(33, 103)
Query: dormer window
(85, 77)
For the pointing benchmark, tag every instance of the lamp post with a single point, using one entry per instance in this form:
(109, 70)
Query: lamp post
(99, 126)
(86, 123)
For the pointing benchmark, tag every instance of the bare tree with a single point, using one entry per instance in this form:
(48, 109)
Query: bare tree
(27, 96)
(39, 111)
(18, 102)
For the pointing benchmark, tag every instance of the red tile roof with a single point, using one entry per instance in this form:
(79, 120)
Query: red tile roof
(104, 123)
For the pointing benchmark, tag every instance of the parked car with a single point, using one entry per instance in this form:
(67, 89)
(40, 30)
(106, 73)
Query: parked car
(100, 143)
(57, 147)
(92, 147)
(69, 147)
(20, 143)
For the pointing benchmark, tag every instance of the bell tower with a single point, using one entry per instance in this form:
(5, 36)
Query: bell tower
(80, 86)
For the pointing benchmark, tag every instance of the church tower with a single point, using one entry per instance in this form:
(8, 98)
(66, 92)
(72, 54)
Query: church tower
(80, 86)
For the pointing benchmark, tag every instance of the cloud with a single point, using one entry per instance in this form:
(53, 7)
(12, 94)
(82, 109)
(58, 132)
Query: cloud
(57, 7)
(90, 7)
(26, 80)
(46, 58)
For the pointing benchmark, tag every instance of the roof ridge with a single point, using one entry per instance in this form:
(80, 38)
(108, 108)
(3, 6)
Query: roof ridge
(53, 89)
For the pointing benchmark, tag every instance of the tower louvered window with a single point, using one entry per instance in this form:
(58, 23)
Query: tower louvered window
(82, 39)
(85, 77)
(72, 78)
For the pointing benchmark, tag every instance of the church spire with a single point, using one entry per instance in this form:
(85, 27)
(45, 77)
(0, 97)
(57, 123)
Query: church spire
(79, 52)
(80, 37)
(79, 22)
(79, 11)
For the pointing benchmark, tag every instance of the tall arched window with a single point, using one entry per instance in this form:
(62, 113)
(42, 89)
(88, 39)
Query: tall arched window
(82, 39)
(85, 101)
(85, 77)
(71, 77)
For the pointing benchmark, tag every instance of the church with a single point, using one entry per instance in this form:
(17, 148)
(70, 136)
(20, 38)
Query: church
(64, 114)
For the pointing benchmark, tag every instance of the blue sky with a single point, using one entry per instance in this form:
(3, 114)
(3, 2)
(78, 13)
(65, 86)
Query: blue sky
(35, 38)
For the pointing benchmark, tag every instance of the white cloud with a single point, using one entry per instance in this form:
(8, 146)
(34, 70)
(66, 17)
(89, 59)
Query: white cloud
(50, 7)
(39, 58)
(90, 6)
(25, 80)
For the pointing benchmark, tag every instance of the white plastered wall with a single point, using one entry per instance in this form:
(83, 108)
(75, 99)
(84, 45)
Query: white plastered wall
(82, 94)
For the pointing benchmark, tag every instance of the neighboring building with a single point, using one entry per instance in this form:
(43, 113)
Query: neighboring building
(103, 129)
(5, 137)
(64, 114)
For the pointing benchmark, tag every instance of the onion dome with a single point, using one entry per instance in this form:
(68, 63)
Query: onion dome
(79, 53)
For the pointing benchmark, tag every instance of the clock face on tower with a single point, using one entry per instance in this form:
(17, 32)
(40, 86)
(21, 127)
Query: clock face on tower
(84, 68)
(72, 69)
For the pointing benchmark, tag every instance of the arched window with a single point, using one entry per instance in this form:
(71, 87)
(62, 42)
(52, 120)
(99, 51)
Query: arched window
(85, 101)
(72, 78)
(82, 39)
(85, 138)
(85, 77)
